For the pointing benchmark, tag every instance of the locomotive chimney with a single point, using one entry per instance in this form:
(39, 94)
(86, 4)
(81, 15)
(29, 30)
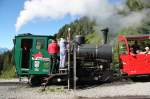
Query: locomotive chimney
(105, 35)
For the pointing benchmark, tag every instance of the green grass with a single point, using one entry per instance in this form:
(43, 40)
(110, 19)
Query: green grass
(8, 73)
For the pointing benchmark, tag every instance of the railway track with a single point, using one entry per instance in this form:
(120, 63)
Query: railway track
(87, 85)
(13, 82)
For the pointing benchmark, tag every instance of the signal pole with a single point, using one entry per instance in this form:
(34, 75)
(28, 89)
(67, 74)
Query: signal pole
(69, 57)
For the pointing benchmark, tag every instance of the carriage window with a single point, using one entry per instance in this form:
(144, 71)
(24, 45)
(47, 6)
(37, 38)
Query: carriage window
(141, 44)
(39, 44)
(122, 48)
(147, 42)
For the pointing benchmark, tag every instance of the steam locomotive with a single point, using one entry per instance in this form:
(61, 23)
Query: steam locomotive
(87, 62)
(93, 62)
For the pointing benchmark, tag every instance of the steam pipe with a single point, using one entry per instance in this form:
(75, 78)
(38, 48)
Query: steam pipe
(105, 35)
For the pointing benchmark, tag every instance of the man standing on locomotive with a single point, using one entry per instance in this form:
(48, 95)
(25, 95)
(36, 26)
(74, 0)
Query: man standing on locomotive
(62, 45)
(53, 50)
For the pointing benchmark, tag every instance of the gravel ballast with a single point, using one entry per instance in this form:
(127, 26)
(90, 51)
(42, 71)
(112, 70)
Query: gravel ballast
(22, 91)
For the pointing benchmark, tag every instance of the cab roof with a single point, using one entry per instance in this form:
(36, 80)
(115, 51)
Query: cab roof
(137, 37)
(134, 37)
(31, 35)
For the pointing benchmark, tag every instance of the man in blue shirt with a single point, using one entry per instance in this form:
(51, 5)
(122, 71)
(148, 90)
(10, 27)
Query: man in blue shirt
(62, 45)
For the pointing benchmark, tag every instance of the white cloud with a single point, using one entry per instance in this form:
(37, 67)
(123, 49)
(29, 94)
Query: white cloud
(56, 9)
(100, 10)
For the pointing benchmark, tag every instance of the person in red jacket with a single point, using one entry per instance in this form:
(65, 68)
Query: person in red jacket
(53, 50)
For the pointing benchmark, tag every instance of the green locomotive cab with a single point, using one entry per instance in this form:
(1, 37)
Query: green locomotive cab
(26, 46)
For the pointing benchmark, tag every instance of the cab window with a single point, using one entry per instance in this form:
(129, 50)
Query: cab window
(39, 44)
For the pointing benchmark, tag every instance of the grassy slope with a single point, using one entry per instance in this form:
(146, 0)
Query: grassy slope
(8, 73)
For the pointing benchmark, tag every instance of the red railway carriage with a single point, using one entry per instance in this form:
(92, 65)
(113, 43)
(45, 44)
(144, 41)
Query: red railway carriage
(134, 60)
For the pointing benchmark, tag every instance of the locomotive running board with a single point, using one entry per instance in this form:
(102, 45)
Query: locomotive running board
(58, 74)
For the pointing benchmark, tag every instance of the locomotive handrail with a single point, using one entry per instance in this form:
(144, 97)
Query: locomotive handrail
(123, 38)
(20, 58)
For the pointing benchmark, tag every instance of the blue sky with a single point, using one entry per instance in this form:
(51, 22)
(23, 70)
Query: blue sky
(9, 11)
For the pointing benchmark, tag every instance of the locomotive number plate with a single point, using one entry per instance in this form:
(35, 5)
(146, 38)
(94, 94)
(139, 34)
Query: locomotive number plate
(36, 64)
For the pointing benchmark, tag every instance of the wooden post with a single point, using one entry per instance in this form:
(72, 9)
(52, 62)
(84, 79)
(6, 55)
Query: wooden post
(69, 58)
